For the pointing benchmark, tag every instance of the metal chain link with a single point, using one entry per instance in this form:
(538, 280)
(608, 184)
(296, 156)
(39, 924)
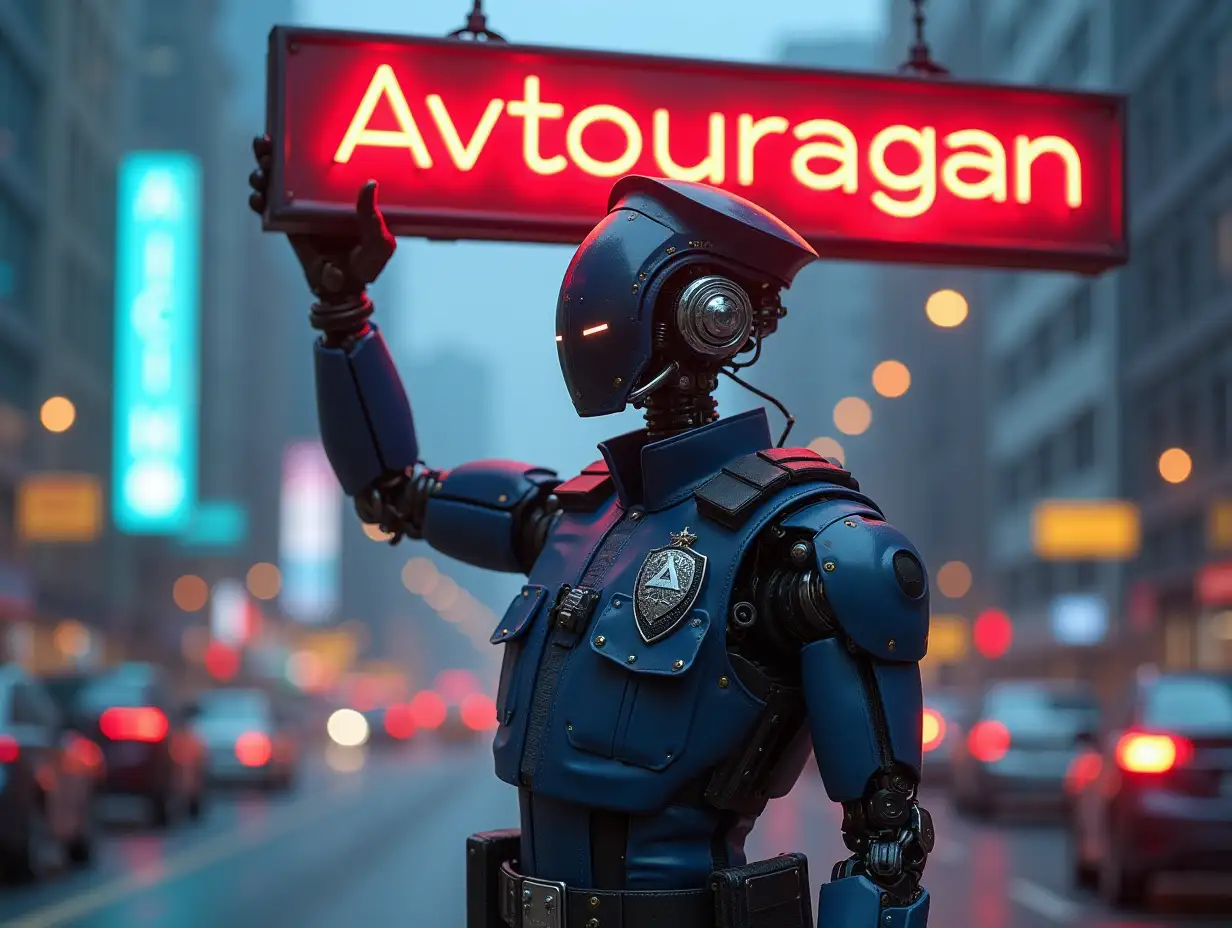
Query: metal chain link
(476, 28)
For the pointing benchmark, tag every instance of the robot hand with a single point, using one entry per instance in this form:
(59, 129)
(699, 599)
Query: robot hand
(339, 267)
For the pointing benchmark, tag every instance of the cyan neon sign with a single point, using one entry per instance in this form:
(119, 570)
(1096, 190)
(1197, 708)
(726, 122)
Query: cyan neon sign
(157, 308)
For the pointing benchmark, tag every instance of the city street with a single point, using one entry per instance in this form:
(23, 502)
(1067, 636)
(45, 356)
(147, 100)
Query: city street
(381, 844)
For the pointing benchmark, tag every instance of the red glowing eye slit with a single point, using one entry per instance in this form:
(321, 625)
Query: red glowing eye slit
(594, 330)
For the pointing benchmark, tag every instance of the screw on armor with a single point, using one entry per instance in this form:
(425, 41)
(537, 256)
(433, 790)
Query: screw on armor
(801, 552)
(743, 615)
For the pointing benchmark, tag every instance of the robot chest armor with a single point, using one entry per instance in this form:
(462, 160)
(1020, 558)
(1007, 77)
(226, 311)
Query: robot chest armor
(616, 677)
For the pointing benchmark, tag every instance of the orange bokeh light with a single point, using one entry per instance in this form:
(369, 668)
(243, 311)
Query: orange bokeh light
(852, 416)
(190, 593)
(891, 379)
(954, 580)
(828, 448)
(946, 309)
(1175, 465)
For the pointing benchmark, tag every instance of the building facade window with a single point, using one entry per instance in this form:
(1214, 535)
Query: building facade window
(1219, 414)
(1223, 244)
(18, 236)
(1084, 441)
(20, 106)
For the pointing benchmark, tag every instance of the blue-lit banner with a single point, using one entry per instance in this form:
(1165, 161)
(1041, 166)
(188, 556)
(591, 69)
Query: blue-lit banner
(310, 535)
(216, 525)
(1079, 619)
(157, 308)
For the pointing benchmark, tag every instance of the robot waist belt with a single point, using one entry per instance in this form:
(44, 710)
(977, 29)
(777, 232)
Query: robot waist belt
(766, 894)
(531, 903)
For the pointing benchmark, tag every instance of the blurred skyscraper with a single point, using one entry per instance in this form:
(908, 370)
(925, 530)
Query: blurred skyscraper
(1049, 349)
(825, 348)
(64, 118)
(1173, 321)
(926, 449)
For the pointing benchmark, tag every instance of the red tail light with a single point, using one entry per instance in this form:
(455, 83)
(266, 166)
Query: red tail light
(428, 710)
(988, 741)
(933, 730)
(478, 712)
(145, 724)
(1140, 752)
(253, 749)
(1082, 772)
(399, 722)
(10, 750)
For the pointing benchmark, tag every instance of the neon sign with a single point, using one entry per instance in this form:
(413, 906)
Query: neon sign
(157, 297)
(486, 141)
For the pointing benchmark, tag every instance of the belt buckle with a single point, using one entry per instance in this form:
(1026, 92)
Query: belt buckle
(543, 904)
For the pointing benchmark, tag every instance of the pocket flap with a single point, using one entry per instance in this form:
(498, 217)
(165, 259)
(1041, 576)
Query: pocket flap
(517, 618)
(615, 636)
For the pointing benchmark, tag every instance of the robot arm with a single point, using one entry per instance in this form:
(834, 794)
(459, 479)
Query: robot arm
(493, 514)
(854, 596)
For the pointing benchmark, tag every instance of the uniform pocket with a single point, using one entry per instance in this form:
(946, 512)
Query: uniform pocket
(628, 700)
(511, 632)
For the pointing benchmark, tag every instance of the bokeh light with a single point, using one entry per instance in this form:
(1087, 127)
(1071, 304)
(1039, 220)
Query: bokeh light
(58, 414)
(429, 709)
(891, 379)
(946, 309)
(264, 580)
(992, 634)
(72, 639)
(828, 448)
(420, 576)
(193, 642)
(190, 593)
(852, 416)
(347, 728)
(478, 712)
(376, 533)
(307, 671)
(443, 595)
(954, 579)
(1175, 465)
(221, 662)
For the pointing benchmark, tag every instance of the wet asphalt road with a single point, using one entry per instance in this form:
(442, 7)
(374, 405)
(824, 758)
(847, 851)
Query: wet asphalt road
(376, 839)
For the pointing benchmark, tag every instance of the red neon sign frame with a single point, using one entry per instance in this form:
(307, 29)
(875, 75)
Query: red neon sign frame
(502, 142)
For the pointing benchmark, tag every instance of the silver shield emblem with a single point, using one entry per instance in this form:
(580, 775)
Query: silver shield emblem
(667, 586)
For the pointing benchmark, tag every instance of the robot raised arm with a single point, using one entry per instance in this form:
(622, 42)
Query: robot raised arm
(853, 593)
(493, 514)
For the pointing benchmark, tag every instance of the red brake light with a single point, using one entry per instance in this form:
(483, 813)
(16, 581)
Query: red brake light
(933, 729)
(428, 709)
(10, 750)
(253, 749)
(1082, 772)
(400, 722)
(1139, 752)
(988, 741)
(145, 724)
(478, 712)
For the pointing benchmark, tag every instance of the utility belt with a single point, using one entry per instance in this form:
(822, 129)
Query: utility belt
(767, 894)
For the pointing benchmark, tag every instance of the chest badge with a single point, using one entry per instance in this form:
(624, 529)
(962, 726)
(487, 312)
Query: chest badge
(667, 586)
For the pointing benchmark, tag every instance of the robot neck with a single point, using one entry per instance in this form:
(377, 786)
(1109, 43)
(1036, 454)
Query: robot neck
(683, 404)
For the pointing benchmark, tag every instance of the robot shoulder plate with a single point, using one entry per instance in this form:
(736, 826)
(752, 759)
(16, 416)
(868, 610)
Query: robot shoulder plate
(873, 577)
(749, 483)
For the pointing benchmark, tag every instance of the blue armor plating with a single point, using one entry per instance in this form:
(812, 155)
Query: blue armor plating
(366, 424)
(702, 610)
(471, 513)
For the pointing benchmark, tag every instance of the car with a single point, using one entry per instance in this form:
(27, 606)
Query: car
(943, 723)
(248, 740)
(1152, 793)
(149, 750)
(1019, 747)
(48, 782)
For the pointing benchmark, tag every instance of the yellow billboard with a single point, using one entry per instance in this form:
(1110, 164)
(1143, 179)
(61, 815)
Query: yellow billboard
(60, 508)
(1069, 530)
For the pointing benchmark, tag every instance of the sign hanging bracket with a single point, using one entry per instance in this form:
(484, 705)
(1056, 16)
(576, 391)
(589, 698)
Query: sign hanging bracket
(476, 28)
(920, 60)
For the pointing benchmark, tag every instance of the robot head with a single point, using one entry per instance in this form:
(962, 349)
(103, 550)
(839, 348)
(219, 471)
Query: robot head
(679, 272)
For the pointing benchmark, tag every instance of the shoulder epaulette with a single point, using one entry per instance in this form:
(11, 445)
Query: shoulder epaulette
(732, 495)
(586, 491)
